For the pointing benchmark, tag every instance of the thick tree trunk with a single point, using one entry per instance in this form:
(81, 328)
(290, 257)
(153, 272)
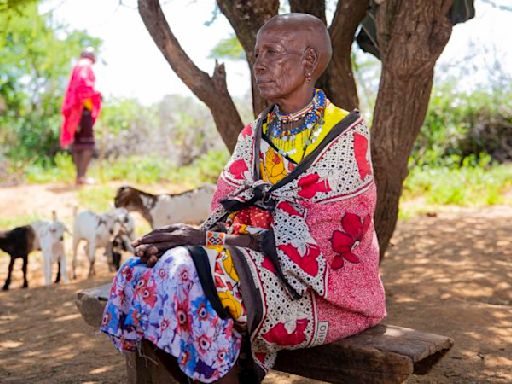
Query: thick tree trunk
(212, 91)
(411, 34)
(246, 18)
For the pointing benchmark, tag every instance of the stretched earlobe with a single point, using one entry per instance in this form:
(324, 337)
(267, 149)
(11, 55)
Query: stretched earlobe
(311, 58)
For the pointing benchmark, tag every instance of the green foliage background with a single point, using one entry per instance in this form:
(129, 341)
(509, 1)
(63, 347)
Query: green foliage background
(35, 64)
(464, 136)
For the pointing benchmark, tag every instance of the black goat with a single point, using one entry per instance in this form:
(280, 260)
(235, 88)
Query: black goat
(18, 243)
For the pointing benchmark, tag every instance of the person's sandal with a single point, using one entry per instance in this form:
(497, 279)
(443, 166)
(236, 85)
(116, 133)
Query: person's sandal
(85, 180)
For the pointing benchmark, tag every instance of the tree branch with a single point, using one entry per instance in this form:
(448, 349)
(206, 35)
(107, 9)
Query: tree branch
(212, 91)
(313, 7)
(341, 87)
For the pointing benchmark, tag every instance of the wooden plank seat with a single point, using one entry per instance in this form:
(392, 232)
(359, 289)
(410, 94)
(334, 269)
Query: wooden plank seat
(383, 354)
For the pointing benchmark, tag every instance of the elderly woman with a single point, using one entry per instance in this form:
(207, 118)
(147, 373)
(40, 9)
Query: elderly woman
(288, 258)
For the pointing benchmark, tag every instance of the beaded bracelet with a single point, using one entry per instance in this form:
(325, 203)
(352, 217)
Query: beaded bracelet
(214, 239)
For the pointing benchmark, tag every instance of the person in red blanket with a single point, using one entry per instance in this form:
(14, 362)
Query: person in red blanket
(81, 107)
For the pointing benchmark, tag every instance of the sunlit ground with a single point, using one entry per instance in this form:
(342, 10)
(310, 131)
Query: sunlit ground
(449, 274)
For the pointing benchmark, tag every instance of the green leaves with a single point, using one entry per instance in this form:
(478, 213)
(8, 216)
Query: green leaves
(228, 49)
(35, 64)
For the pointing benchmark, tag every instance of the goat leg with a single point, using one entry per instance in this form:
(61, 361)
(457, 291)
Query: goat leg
(116, 256)
(9, 272)
(62, 267)
(91, 251)
(25, 262)
(75, 254)
(57, 278)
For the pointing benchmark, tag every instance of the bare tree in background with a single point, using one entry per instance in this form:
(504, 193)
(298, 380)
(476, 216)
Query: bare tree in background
(410, 36)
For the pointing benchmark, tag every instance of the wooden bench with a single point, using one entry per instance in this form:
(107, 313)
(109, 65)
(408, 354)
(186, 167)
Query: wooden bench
(384, 354)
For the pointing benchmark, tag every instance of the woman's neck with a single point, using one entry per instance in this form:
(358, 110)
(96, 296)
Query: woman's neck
(298, 102)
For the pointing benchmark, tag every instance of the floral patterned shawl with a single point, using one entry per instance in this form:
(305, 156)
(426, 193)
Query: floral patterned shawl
(317, 279)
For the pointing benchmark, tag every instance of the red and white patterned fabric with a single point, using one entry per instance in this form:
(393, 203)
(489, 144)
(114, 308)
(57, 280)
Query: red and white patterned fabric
(326, 245)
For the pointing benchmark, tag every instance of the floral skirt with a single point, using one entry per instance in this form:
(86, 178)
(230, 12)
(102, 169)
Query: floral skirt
(167, 306)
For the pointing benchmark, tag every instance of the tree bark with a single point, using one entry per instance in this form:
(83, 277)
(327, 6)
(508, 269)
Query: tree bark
(246, 18)
(411, 35)
(339, 81)
(212, 91)
(313, 7)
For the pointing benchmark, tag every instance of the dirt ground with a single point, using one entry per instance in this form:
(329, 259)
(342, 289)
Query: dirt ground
(450, 274)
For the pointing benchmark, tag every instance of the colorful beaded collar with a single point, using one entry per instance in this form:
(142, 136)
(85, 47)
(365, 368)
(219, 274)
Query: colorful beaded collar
(310, 114)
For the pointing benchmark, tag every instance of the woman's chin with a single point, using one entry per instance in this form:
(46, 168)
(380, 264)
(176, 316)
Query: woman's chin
(268, 94)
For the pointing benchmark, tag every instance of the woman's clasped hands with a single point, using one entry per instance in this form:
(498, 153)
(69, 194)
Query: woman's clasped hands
(154, 244)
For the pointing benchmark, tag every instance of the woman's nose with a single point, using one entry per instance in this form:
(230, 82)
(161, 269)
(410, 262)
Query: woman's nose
(258, 64)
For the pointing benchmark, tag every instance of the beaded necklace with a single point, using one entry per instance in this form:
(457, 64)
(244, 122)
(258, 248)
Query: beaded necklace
(310, 125)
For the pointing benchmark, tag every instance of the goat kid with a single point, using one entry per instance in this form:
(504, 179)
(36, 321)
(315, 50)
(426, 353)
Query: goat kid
(44, 236)
(160, 210)
(98, 231)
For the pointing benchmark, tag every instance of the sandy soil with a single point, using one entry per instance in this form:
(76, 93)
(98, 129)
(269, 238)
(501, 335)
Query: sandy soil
(450, 274)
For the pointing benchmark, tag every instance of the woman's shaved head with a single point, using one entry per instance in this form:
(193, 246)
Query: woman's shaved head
(309, 30)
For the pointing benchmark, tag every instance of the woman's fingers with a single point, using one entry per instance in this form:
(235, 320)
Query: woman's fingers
(170, 229)
(159, 238)
(151, 253)
(145, 249)
(152, 260)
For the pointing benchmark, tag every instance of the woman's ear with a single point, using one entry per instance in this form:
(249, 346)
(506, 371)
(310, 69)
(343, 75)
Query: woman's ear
(310, 62)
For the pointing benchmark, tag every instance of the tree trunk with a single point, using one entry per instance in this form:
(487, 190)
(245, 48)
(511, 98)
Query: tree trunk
(411, 35)
(212, 91)
(313, 7)
(246, 18)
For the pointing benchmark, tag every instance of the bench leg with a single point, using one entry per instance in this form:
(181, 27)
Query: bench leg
(152, 366)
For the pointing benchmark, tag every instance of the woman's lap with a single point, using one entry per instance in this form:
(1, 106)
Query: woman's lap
(166, 305)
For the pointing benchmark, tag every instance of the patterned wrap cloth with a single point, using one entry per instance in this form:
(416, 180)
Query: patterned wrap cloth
(316, 281)
(80, 94)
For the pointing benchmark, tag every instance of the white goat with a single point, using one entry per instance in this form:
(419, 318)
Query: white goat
(98, 231)
(50, 240)
(160, 210)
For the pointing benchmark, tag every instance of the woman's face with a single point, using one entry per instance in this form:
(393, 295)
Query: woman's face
(279, 67)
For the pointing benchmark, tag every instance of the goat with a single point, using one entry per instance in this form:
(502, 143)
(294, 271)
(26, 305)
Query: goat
(98, 231)
(120, 243)
(192, 206)
(45, 236)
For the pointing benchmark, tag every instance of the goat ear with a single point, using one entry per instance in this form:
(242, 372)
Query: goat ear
(54, 216)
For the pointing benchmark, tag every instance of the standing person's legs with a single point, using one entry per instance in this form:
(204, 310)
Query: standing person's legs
(76, 154)
(84, 161)
(83, 147)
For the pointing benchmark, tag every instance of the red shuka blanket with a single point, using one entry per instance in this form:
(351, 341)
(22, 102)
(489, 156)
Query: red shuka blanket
(80, 88)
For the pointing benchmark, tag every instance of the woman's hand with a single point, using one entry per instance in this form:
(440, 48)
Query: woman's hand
(154, 244)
